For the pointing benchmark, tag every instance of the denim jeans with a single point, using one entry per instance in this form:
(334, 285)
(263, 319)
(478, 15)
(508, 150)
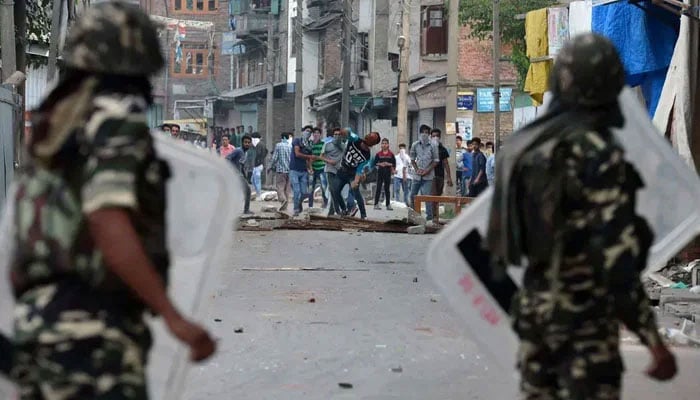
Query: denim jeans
(319, 176)
(257, 180)
(399, 185)
(465, 185)
(424, 187)
(300, 185)
(355, 196)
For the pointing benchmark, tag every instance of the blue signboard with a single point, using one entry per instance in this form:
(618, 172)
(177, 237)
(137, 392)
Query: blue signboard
(484, 99)
(465, 101)
(231, 45)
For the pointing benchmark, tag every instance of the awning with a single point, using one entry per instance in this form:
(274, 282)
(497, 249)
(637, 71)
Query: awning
(326, 106)
(232, 94)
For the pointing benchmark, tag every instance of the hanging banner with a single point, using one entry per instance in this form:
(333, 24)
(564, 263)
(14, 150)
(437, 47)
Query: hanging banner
(557, 29)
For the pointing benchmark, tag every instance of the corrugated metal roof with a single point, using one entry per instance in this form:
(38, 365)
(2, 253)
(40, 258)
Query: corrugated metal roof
(428, 80)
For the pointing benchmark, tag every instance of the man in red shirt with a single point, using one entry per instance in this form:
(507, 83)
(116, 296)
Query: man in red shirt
(386, 167)
(226, 146)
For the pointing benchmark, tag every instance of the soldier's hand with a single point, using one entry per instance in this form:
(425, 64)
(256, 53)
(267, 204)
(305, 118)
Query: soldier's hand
(663, 364)
(201, 345)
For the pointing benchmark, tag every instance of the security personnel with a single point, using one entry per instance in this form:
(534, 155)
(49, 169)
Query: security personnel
(565, 200)
(90, 253)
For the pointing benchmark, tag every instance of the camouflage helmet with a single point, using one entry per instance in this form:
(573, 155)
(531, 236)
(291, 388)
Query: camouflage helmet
(588, 72)
(114, 38)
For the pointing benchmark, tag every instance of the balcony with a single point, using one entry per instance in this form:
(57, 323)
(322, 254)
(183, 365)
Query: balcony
(250, 24)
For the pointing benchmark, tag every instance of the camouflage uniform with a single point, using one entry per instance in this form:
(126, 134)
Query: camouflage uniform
(584, 243)
(79, 331)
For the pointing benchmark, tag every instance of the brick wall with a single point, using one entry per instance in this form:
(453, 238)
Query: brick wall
(332, 39)
(194, 88)
(282, 119)
(476, 60)
(483, 126)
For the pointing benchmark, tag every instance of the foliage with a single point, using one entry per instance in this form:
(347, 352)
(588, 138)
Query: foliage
(478, 14)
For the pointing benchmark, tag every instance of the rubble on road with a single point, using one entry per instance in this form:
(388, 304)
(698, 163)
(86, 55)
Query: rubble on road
(676, 289)
(307, 221)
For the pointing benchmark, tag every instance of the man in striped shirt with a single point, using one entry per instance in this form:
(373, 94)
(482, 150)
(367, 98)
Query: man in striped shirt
(280, 164)
(318, 167)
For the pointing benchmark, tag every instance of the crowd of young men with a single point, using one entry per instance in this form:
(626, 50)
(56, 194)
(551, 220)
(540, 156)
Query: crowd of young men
(342, 160)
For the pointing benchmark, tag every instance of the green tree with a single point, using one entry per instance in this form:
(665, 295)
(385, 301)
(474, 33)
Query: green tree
(479, 15)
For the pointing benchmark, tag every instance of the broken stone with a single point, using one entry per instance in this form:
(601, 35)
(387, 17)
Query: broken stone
(272, 223)
(398, 370)
(239, 330)
(312, 300)
(416, 230)
(269, 209)
(217, 320)
(345, 385)
(252, 222)
(304, 217)
(315, 211)
(415, 280)
(269, 196)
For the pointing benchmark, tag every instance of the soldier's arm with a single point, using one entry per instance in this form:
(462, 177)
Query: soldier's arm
(109, 193)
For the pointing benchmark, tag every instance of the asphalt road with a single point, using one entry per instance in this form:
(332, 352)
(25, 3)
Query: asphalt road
(366, 322)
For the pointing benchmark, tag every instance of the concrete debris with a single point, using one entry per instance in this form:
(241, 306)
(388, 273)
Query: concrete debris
(345, 385)
(398, 370)
(239, 330)
(666, 278)
(687, 335)
(416, 230)
(415, 280)
(269, 209)
(681, 303)
(269, 196)
(315, 211)
(695, 289)
(312, 300)
(317, 222)
(253, 223)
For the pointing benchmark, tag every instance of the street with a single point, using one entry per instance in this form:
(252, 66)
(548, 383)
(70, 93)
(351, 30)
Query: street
(364, 320)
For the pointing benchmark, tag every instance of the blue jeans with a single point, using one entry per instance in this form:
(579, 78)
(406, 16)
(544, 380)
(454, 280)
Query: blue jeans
(257, 180)
(319, 176)
(465, 184)
(300, 186)
(399, 185)
(355, 196)
(424, 186)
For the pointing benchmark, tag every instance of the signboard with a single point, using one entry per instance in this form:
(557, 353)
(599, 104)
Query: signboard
(484, 99)
(464, 128)
(465, 100)
(450, 128)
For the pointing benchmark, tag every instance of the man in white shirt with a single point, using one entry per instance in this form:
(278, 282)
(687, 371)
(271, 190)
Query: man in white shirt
(401, 177)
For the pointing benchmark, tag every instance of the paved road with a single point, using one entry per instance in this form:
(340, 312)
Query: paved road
(369, 325)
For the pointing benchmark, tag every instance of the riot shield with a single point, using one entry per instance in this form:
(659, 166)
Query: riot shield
(204, 201)
(459, 265)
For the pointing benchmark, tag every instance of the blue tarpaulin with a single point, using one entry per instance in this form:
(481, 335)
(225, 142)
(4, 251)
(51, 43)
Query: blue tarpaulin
(645, 35)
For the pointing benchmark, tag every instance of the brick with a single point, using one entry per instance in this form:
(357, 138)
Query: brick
(416, 230)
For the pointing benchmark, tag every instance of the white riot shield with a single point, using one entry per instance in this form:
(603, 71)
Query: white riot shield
(204, 199)
(459, 266)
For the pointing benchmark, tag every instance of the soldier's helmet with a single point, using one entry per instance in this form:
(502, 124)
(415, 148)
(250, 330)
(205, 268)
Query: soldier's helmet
(114, 38)
(588, 72)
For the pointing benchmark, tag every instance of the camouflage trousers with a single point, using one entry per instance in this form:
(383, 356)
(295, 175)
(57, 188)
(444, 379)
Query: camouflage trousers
(109, 366)
(548, 376)
(566, 355)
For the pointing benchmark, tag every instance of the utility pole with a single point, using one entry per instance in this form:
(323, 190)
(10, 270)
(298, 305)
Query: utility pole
(7, 37)
(347, 53)
(56, 14)
(497, 73)
(21, 65)
(299, 85)
(404, 57)
(449, 140)
(269, 129)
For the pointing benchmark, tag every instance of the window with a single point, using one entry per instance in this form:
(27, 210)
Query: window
(192, 61)
(433, 31)
(363, 53)
(195, 6)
